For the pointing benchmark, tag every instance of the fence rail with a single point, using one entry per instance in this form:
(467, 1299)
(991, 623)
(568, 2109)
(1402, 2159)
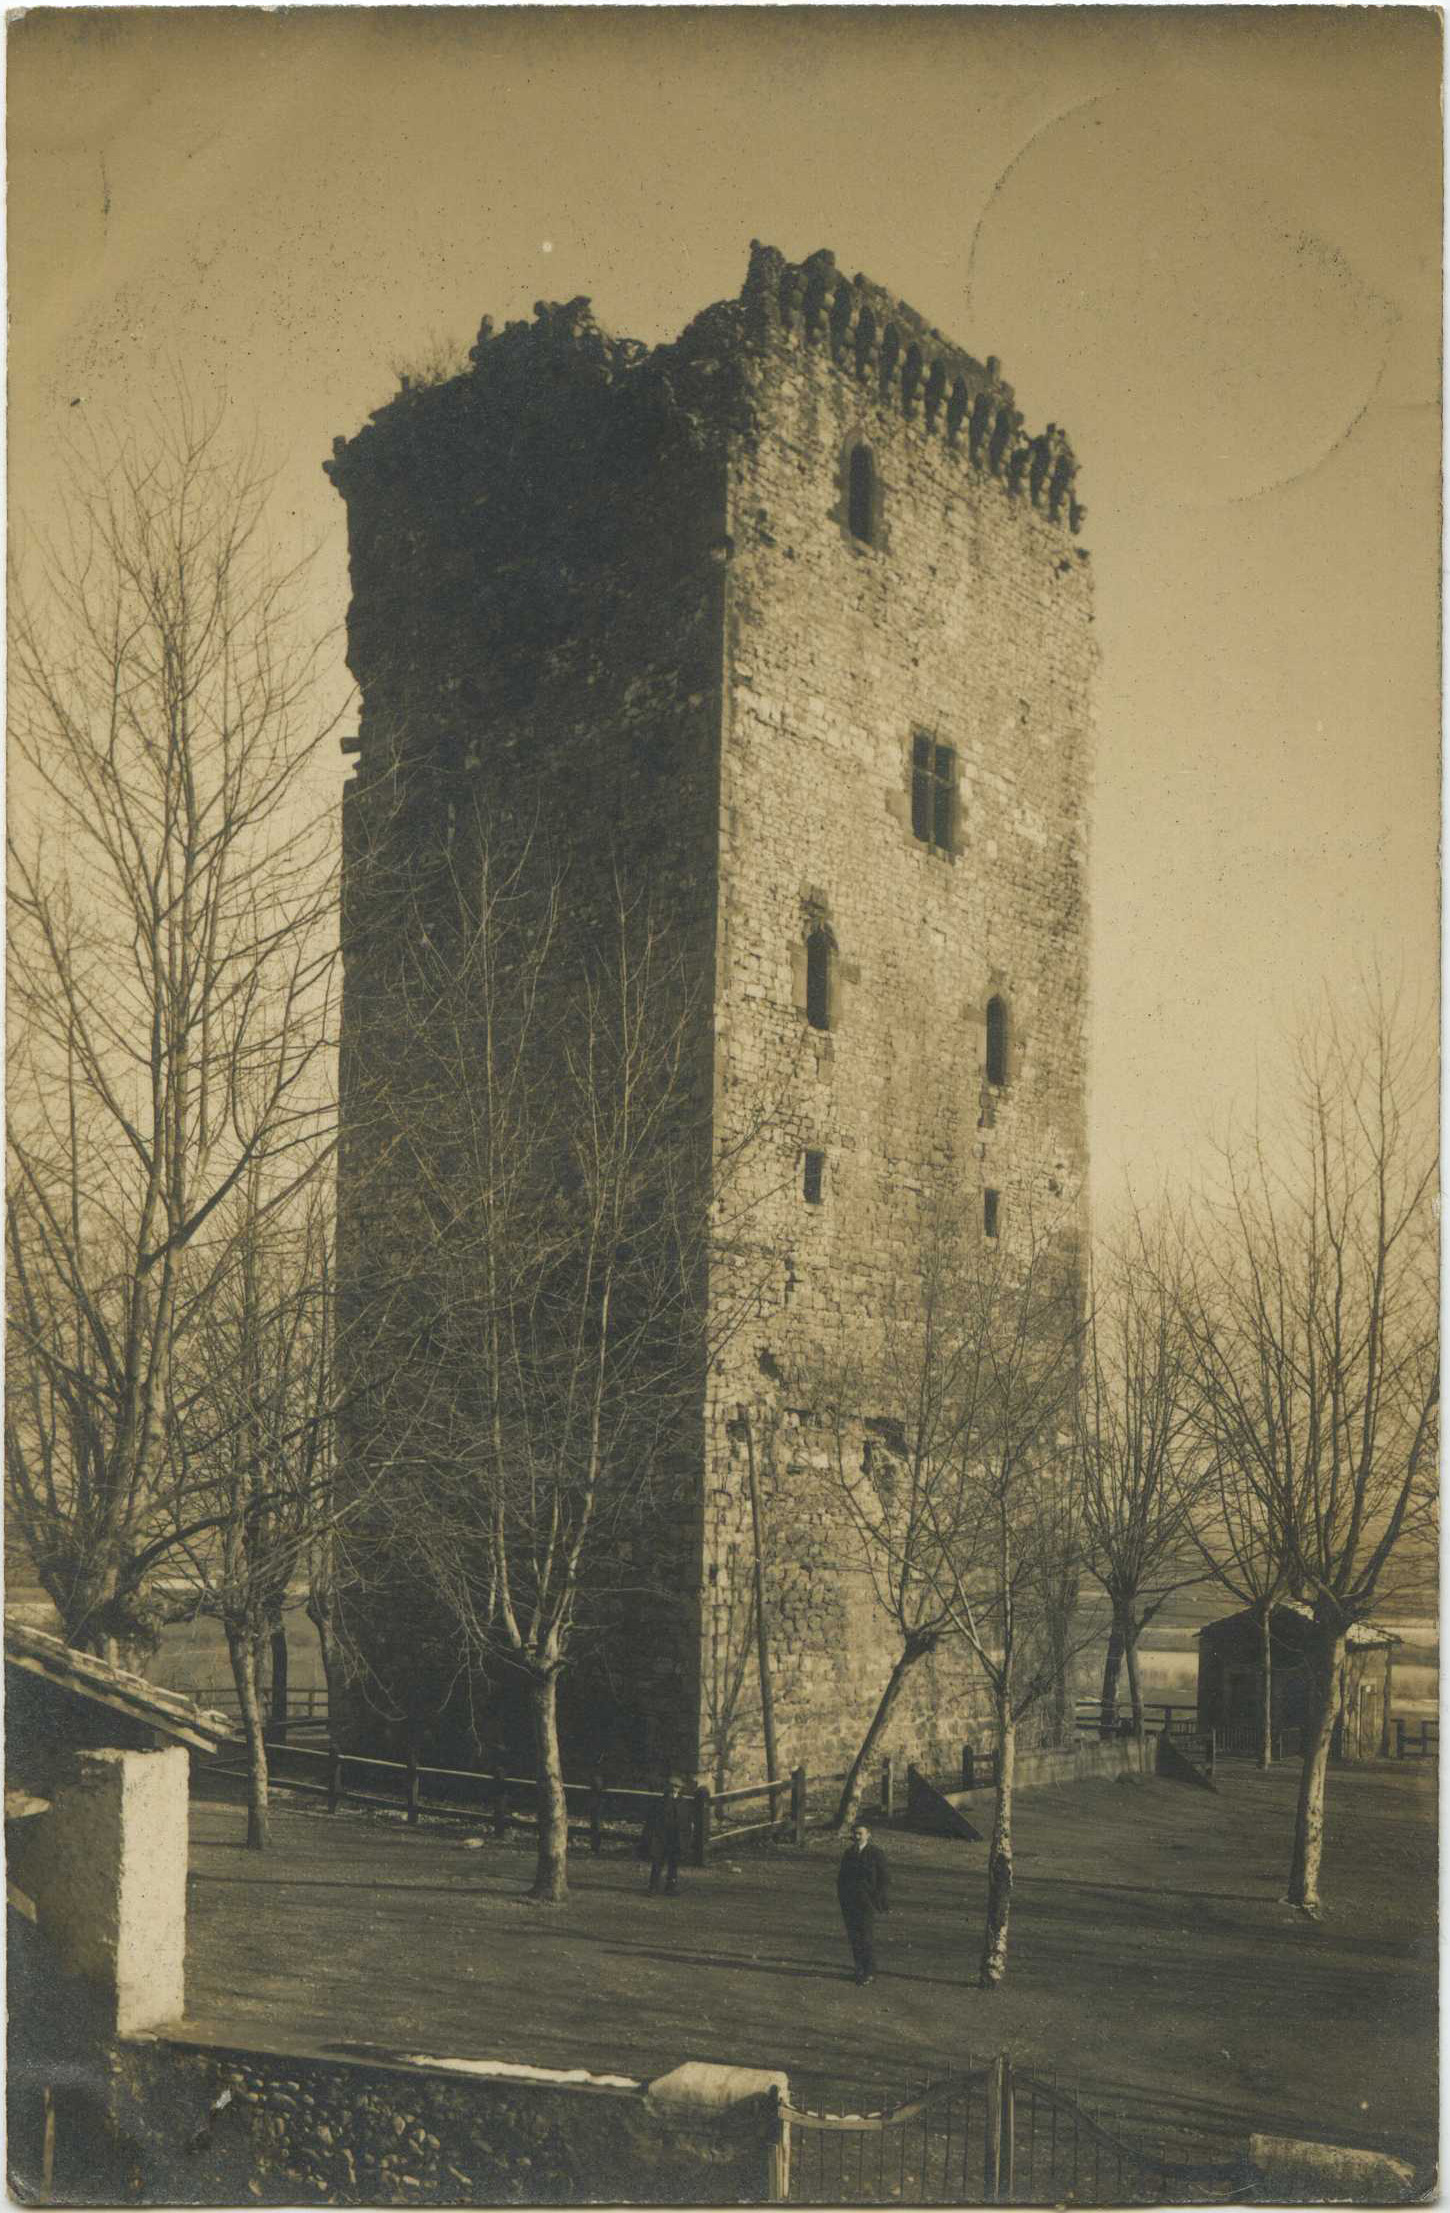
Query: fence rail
(1416, 1744)
(505, 1800)
(302, 1705)
(1176, 1717)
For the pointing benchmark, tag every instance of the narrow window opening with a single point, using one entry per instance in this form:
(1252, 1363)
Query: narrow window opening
(818, 980)
(997, 1041)
(815, 1177)
(991, 1203)
(861, 512)
(933, 793)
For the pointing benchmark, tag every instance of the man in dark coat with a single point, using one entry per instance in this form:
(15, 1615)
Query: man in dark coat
(664, 1834)
(861, 1888)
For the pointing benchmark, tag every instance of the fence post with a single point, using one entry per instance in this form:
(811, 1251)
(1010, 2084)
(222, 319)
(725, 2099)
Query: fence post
(596, 1809)
(992, 2135)
(702, 1824)
(798, 1805)
(500, 1803)
(1399, 1738)
(887, 1780)
(334, 1779)
(412, 1784)
(1212, 1750)
(777, 2183)
(969, 1768)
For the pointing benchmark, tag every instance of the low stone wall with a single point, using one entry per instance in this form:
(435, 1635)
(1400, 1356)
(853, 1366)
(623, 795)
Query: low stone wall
(1114, 1756)
(1078, 1763)
(225, 2125)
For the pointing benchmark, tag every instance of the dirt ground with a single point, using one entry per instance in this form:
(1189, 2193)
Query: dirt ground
(1153, 1962)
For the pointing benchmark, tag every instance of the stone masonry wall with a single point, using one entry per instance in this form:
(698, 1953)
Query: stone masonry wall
(967, 619)
(221, 2126)
(612, 600)
(535, 628)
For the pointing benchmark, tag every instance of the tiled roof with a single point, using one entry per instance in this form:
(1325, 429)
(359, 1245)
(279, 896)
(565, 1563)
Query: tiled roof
(84, 1676)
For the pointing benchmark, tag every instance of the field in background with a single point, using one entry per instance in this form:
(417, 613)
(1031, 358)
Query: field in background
(1168, 1675)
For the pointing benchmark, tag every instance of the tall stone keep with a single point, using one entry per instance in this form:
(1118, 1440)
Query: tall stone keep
(787, 623)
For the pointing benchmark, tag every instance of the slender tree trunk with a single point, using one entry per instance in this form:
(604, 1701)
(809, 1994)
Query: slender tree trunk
(1112, 1666)
(762, 1625)
(551, 1874)
(277, 1730)
(242, 1650)
(1063, 1729)
(1135, 1688)
(999, 1859)
(1266, 1688)
(319, 1613)
(850, 1800)
(1326, 1660)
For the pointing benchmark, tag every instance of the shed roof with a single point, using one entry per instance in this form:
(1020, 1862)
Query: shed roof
(1293, 1613)
(98, 1682)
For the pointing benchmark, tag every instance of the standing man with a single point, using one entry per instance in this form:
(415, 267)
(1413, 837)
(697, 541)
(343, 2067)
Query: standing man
(664, 1834)
(861, 1888)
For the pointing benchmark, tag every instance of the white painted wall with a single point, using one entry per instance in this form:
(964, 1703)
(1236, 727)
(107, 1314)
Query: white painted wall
(106, 1868)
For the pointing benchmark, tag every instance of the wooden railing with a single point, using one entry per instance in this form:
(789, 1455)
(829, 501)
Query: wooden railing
(1412, 1743)
(503, 1801)
(302, 1705)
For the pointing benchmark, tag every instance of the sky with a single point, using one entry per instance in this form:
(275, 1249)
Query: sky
(1207, 241)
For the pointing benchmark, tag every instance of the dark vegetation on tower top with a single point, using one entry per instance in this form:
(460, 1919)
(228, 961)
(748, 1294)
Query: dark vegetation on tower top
(699, 388)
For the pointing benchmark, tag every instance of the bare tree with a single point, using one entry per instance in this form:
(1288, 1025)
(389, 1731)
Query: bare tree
(550, 1155)
(168, 958)
(1314, 1314)
(1139, 1450)
(950, 1456)
(1004, 1523)
(249, 1432)
(896, 1419)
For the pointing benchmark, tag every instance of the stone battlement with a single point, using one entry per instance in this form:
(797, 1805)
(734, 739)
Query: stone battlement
(913, 370)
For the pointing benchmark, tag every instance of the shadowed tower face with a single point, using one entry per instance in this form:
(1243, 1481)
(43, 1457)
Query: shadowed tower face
(785, 627)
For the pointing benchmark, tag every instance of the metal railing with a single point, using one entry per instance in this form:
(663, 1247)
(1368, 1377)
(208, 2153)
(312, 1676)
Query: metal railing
(991, 2134)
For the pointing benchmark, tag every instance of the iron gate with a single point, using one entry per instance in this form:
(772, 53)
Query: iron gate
(992, 2135)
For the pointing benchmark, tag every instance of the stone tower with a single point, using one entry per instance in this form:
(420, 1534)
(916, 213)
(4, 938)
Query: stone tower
(788, 620)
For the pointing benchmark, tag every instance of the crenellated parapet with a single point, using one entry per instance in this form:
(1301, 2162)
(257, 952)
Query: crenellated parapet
(910, 370)
(900, 362)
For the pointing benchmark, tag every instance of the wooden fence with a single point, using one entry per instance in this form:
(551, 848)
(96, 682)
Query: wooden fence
(782, 1807)
(302, 1705)
(1416, 1741)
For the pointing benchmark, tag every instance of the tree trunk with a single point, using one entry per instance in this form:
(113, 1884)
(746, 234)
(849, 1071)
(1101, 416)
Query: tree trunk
(762, 1625)
(999, 1859)
(1135, 1688)
(319, 1613)
(1064, 1730)
(1266, 1688)
(242, 1649)
(551, 1875)
(850, 1801)
(277, 1727)
(1112, 1665)
(1326, 1658)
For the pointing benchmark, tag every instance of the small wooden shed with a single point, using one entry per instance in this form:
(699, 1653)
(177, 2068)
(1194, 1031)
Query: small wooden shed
(1231, 1676)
